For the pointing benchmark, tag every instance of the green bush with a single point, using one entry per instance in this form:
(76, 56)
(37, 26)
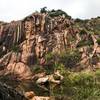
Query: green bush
(85, 43)
(70, 59)
(97, 73)
(15, 48)
(43, 10)
(78, 20)
(82, 32)
(98, 41)
(49, 56)
(83, 79)
(37, 69)
(55, 13)
(79, 86)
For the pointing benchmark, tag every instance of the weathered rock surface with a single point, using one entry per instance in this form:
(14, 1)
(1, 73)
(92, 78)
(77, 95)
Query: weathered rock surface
(23, 42)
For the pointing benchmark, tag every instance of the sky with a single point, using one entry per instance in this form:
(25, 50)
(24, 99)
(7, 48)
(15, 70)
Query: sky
(18, 9)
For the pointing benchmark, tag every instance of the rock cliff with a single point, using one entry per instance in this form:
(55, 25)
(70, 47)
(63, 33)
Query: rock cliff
(24, 42)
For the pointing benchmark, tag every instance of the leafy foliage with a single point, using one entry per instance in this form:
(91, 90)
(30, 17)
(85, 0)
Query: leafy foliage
(55, 13)
(15, 48)
(79, 86)
(98, 41)
(70, 59)
(82, 32)
(85, 43)
(43, 10)
(37, 69)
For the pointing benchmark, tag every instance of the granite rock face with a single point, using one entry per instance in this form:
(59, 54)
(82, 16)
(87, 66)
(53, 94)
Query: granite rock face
(24, 41)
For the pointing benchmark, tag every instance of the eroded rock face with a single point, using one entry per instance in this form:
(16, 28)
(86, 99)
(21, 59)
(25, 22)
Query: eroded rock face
(37, 33)
(29, 39)
(20, 70)
(22, 42)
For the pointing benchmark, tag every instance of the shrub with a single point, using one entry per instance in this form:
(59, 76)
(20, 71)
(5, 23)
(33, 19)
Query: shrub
(82, 32)
(78, 20)
(15, 48)
(43, 10)
(98, 41)
(70, 59)
(84, 43)
(55, 13)
(37, 69)
(49, 56)
(83, 79)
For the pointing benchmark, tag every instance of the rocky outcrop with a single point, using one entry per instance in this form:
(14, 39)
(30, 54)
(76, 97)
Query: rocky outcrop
(23, 42)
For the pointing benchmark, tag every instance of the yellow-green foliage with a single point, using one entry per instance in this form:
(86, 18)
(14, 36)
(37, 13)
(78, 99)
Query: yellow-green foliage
(79, 85)
(98, 41)
(49, 56)
(83, 85)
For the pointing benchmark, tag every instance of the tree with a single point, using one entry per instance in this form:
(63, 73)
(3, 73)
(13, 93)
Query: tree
(43, 10)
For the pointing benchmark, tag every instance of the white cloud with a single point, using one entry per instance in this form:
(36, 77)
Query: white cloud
(18, 9)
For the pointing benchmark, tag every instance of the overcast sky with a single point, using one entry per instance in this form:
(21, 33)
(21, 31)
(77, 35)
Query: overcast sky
(18, 9)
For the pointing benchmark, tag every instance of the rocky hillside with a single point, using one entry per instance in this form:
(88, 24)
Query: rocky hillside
(24, 43)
